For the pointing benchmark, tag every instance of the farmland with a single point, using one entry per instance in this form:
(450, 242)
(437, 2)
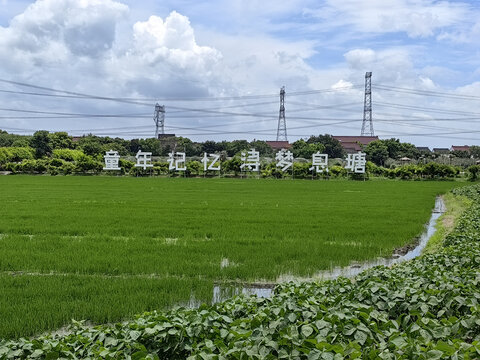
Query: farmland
(104, 248)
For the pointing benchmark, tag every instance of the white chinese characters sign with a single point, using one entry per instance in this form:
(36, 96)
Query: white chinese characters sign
(176, 161)
(284, 160)
(319, 162)
(356, 162)
(144, 159)
(111, 160)
(251, 161)
(214, 163)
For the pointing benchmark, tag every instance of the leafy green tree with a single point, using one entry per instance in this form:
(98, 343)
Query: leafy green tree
(41, 143)
(393, 147)
(87, 163)
(209, 147)
(237, 146)
(333, 147)
(13, 140)
(187, 145)
(222, 146)
(302, 149)
(134, 146)
(409, 150)
(151, 145)
(23, 141)
(117, 144)
(377, 152)
(475, 151)
(61, 140)
(473, 172)
(461, 154)
(263, 148)
(90, 145)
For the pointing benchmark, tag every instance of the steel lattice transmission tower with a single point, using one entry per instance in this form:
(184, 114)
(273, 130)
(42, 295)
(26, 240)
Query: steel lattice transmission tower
(159, 118)
(367, 125)
(282, 123)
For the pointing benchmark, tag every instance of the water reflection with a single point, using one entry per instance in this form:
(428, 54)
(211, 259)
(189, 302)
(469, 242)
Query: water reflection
(223, 292)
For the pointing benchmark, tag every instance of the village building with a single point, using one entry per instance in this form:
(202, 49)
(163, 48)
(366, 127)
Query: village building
(441, 150)
(354, 144)
(465, 148)
(279, 145)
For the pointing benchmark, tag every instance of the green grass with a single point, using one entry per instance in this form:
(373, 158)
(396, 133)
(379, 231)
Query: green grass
(113, 247)
(455, 206)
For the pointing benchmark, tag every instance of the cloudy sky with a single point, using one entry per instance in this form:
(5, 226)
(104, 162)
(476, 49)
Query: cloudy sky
(99, 66)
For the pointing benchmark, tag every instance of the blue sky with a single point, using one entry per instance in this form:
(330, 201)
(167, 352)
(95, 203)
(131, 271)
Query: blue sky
(423, 54)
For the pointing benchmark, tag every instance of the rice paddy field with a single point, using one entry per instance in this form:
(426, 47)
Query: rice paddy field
(105, 248)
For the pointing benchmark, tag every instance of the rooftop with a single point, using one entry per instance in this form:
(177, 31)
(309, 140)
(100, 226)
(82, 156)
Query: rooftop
(364, 140)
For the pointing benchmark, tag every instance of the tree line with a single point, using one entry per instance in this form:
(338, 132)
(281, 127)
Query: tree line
(59, 153)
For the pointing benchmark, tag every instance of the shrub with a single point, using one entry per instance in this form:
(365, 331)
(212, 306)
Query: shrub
(301, 170)
(56, 162)
(473, 172)
(67, 154)
(138, 171)
(67, 168)
(160, 168)
(232, 165)
(338, 171)
(15, 154)
(193, 167)
(86, 164)
(126, 165)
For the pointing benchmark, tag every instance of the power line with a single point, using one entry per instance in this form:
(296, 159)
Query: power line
(426, 92)
(436, 110)
(141, 101)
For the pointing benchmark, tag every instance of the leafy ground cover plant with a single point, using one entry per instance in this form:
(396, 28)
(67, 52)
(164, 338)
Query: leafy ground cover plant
(426, 308)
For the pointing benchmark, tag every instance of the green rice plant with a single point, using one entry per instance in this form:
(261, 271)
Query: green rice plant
(426, 308)
(192, 231)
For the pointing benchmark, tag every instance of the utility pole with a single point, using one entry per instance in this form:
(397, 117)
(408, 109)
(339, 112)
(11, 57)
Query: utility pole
(367, 125)
(282, 123)
(159, 119)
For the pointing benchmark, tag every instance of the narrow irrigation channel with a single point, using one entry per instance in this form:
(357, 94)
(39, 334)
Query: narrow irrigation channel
(221, 292)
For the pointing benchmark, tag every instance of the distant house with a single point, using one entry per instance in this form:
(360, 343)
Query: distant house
(353, 144)
(279, 145)
(165, 136)
(424, 149)
(76, 138)
(441, 150)
(465, 148)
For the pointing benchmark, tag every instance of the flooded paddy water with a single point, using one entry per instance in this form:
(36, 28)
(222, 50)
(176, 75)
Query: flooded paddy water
(222, 292)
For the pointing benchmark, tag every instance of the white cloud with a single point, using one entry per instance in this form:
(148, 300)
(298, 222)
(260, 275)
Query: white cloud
(236, 48)
(85, 28)
(342, 85)
(472, 89)
(416, 18)
(75, 43)
(466, 34)
(361, 58)
(391, 65)
(172, 41)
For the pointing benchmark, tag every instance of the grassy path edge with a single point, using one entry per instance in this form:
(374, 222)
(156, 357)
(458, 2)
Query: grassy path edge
(455, 206)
